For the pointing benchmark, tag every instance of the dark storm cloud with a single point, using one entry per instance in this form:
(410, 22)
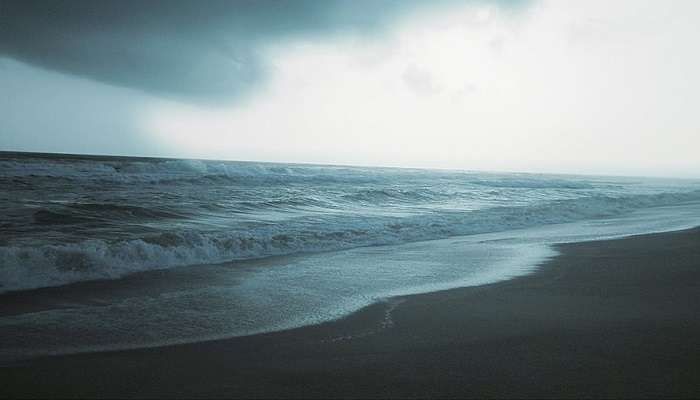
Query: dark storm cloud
(199, 50)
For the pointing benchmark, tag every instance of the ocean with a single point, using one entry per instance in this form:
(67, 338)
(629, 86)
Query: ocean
(127, 252)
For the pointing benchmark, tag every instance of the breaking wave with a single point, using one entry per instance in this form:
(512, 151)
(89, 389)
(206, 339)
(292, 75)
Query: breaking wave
(170, 171)
(27, 266)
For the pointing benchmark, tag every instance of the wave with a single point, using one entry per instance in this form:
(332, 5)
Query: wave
(534, 182)
(176, 171)
(167, 171)
(394, 195)
(27, 267)
(122, 211)
(48, 217)
(80, 213)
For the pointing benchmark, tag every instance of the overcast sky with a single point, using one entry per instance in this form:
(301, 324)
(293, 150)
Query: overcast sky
(600, 87)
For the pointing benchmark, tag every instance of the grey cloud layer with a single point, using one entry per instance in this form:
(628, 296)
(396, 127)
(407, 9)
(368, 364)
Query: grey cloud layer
(204, 50)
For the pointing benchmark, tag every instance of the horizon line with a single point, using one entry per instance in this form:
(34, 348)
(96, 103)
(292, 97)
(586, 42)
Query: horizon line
(321, 164)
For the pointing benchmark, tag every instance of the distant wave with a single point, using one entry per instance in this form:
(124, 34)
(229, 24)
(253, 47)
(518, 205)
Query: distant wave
(26, 267)
(174, 171)
(199, 171)
(531, 183)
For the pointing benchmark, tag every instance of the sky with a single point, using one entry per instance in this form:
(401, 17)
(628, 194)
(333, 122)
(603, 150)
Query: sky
(588, 87)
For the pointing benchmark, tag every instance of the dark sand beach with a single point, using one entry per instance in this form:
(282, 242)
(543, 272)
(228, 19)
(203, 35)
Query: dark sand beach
(617, 318)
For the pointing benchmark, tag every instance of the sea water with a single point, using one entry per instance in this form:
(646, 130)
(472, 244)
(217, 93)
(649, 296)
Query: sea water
(187, 250)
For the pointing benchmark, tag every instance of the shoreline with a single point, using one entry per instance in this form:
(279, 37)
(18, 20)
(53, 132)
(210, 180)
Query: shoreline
(603, 318)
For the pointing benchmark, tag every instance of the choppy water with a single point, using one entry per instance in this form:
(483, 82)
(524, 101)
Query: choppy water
(65, 219)
(347, 237)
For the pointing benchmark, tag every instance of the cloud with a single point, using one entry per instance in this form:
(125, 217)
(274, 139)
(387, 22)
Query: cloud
(197, 51)
(624, 105)
(42, 110)
(420, 80)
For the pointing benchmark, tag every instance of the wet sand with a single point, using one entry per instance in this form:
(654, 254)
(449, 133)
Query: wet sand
(604, 319)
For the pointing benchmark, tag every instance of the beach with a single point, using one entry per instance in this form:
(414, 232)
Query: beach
(614, 318)
(349, 199)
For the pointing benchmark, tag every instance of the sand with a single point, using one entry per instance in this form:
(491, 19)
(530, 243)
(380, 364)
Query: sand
(603, 319)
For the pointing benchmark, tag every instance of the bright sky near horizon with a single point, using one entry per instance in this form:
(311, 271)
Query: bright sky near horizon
(593, 87)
